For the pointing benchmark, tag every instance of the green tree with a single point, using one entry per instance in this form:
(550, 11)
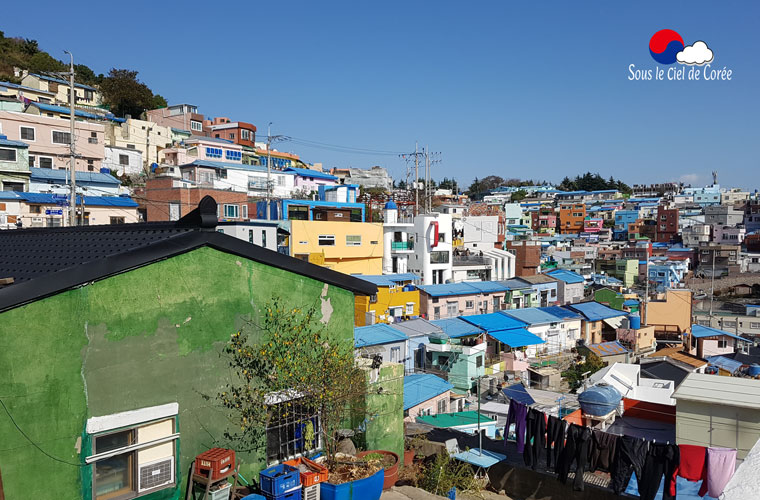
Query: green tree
(293, 368)
(125, 94)
(158, 102)
(575, 374)
(519, 195)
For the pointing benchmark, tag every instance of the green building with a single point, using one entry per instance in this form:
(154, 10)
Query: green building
(111, 343)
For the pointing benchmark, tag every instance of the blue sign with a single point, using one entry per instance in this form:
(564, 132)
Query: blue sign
(54, 212)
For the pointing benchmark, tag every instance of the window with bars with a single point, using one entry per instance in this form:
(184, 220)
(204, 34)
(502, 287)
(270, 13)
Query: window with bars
(293, 430)
(27, 133)
(442, 406)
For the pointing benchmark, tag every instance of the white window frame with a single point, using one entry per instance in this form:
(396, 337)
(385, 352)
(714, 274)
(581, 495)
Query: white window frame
(409, 308)
(233, 208)
(353, 243)
(15, 155)
(326, 237)
(52, 134)
(244, 211)
(39, 162)
(196, 126)
(245, 135)
(34, 131)
(722, 344)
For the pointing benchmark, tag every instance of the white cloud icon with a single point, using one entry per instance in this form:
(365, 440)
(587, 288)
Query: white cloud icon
(697, 54)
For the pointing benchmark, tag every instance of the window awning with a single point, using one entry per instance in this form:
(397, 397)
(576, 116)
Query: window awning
(614, 322)
(516, 337)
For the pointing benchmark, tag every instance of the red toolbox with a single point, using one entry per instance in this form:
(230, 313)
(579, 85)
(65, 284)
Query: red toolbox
(219, 461)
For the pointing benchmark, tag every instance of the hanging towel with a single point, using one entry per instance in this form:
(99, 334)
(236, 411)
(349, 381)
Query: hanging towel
(721, 463)
(691, 466)
(517, 414)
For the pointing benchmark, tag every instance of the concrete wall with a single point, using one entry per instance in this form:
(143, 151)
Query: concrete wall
(365, 258)
(706, 424)
(147, 337)
(431, 404)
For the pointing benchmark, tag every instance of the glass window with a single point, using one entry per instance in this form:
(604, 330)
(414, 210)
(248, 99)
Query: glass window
(123, 159)
(722, 344)
(245, 211)
(469, 304)
(442, 406)
(7, 154)
(196, 125)
(27, 134)
(46, 162)
(114, 476)
(326, 240)
(117, 220)
(353, 240)
(231, 211)
(61, 137)
(439, 257)
(478, 361)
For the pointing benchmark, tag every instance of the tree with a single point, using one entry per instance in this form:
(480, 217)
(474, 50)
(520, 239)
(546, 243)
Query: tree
(574, 374)
(84, 74)
(400, 184)
(159, 102)
(294, 369)
(125, 94)
(30, 47)
(519, 195)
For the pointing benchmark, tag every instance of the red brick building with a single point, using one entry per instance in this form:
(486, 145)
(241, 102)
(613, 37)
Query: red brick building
(527, 256)
(667, 224)
(238, 132)
(167, 198)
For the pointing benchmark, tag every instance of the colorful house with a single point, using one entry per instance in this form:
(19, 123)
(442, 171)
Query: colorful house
(425, 394)
(346, 247)
(463, 421)
(397, 299)
(600, 323)
(571, 287)
(308, 180)
(380, 339)
(128, 337)
(14, 165)
(451, 300)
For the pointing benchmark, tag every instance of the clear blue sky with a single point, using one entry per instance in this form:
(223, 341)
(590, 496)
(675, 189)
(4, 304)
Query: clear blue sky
(517, 89)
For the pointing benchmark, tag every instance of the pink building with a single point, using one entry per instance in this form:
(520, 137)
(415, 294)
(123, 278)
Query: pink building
(309, 180)
(48, 139)
(592, 225)
(181, 116)
(426, 394)
(203, 148)
(455, 299)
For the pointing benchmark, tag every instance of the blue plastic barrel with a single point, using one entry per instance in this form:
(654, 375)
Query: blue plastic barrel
(599, 399)
(635, 321)
(754, 370)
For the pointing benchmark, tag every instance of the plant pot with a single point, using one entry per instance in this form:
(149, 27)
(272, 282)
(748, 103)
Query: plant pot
(391, 472)
(369, 488)
(409, 456)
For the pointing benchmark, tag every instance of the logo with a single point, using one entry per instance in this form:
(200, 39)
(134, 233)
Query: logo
(667, 47)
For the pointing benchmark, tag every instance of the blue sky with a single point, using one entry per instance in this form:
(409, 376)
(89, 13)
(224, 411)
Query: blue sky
(528, 90)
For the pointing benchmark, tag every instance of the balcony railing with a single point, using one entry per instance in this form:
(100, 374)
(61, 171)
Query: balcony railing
(402, 245)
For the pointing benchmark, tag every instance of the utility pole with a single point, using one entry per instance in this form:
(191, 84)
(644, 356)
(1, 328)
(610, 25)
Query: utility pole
(416, 179)
(72, 151)
(712, 280)
(269, 166)
(427, 179)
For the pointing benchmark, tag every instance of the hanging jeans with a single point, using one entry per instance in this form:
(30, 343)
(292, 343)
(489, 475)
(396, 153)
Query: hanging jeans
(576, 450)
(661, 459)
(517, 414)
(534, 441)
(602, 454)
(721, 463)
(630, 456)
(555, 434)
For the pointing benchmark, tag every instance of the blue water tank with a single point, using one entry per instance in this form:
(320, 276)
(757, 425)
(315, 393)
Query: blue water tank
(409, 288)
(754, 370)
(599, 399)
(635, 321)
(390, 205)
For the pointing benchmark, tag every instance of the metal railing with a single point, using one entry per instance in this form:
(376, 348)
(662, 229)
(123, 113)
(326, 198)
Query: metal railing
(402, 245)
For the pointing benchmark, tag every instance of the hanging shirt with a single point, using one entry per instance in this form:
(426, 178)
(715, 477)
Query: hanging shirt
(721, 463)
(517, 415)
(603, 447)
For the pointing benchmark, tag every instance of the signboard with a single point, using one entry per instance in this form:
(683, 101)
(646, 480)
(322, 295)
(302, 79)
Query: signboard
(54, 212)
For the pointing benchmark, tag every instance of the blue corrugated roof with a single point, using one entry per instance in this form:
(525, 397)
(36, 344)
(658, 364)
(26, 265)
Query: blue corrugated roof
(488, 286)
(519, 394)
(566, 276)
(51, 199)
(728, 364)
(516, 337)
(594, 311)
(493, 321)
(223, 165)
(449, 289)
(631, 302)
(387, 279)
(456, 327)
(515, 284)
(376, 335)
(22, 87)
(699, 331)
(4, 141)
(532, 316)
(561, 312)
(61, 176)
(305, 172)
(77, 112)
(607, 348)
(62, 82)
(420, 387)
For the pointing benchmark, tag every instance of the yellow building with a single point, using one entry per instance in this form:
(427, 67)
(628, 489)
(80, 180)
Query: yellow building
(146, 137)
(395, 301)
(670, 314)
(346, 247)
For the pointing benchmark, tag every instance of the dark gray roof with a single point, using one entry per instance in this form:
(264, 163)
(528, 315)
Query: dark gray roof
(664, 370)
(46, 261)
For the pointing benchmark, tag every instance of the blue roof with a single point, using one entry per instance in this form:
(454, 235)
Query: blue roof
(492, 322)
(449, 289)
(62, 82)
(77, 112)
(728, 364)
(4, 141)
(456, 327)
(561, 312)
(305, 172)
(607, 348)
(532, 315)
(699, 331)
(22, 87)
(631, 302)
(516, 284)
(376, 335)
(61, 176)
(51, 199)
(516, 337)
(594, 311)
(420, 387)
(223, 165)
(387, 279)
(519, 394)
(566, 276)
(488, 286)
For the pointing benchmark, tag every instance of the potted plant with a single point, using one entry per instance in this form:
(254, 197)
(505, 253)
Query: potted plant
(389, 462)
(352, 478)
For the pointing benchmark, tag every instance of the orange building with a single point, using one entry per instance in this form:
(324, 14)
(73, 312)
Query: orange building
(571, 216)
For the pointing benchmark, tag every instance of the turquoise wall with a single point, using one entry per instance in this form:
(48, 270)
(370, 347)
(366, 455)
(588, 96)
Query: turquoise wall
(147, 337)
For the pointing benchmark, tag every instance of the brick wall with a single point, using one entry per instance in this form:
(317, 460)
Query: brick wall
(159, 194)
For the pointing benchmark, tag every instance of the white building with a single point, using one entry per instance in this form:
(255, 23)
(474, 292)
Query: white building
(432, 248)
(626, 378)
(398, 244)
(513, 213)
(480, 232)
(123, 160)
(258, 232)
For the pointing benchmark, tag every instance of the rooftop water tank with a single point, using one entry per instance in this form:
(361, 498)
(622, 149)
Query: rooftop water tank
(754, 370)
(599, 400)
(635, 321)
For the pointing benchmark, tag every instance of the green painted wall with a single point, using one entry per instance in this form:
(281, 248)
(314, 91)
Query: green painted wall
(146, 337)
(609, 297)
(385, 410)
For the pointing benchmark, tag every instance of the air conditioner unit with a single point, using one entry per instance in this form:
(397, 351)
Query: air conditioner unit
(154, 474)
